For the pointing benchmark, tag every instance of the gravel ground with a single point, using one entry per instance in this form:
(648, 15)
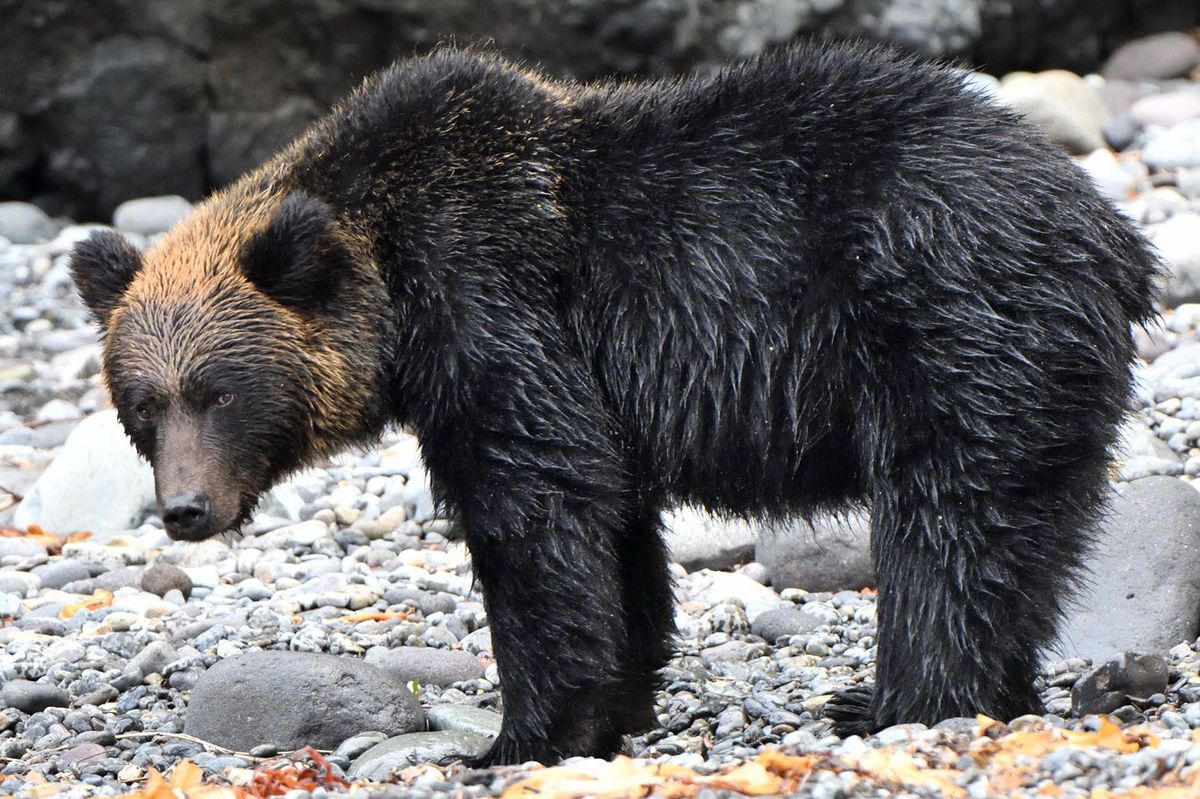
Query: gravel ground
(106, 643)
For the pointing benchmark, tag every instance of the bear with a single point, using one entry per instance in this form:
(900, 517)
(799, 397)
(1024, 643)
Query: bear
(824, 278)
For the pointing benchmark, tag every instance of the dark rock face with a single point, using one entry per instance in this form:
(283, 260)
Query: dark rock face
(112, 99)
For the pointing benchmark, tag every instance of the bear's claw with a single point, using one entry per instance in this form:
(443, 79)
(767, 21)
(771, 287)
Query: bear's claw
(850, 711)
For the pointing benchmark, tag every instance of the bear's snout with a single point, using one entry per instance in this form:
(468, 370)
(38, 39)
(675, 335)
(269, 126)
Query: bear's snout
(188, 516)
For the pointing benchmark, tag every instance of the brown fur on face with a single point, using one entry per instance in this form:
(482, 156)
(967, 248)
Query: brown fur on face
(191, 327)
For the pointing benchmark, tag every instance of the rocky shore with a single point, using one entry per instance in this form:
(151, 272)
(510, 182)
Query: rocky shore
(345, 618)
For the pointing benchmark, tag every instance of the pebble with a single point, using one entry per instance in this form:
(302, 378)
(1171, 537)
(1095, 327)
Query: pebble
(476, 720)
(1175, 147)
(1178, 242)
(160, 578)
(1167, 109)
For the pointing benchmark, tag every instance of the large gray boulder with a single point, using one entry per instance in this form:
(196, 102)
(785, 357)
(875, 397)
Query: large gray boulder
(295, 699)
(97, 482)
(1062, 104)
(1143, 588)
(831, 555)
(698, 540)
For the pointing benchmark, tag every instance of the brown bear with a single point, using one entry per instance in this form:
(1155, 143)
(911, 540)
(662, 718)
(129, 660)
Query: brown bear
(819, 279)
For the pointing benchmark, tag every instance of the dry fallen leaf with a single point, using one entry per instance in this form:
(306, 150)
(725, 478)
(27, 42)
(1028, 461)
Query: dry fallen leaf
(898, 767)
(374, 615)
(186, 782)
(102, 598)
(51, 541)
(307, 771)
(772, 772)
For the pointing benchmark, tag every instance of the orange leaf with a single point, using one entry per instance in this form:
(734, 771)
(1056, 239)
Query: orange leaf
(772, 772)
(52, 542)
(751, 779)
(269, 781)
(185, 775)
(100, 599)
(375, 615)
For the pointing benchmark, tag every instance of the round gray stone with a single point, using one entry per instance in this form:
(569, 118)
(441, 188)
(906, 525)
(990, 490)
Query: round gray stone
(25, 223)
(1174, 148)
(21, 548)
(163, 577)
(60, 572)
(295, 699)
(698, 540)
(831, 555)
(775, 624)
(1062, 104)
(1154, 57)
(150, 215)
(154, 658)
(97, 482)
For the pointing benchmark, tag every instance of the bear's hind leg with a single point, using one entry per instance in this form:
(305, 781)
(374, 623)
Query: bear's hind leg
(971, 587)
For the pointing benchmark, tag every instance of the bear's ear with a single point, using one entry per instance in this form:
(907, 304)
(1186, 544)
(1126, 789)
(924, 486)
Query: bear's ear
(297, 259)
(103, 265)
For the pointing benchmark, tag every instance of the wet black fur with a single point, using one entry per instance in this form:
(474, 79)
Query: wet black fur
(819, 279)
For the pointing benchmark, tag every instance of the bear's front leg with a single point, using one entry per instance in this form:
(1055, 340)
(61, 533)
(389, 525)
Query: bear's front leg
(544, 498)
(555, 613)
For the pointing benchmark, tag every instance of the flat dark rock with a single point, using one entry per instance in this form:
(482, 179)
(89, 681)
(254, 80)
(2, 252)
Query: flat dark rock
(1130, 677)
(775, 624)
(32, 697)
(378, 762)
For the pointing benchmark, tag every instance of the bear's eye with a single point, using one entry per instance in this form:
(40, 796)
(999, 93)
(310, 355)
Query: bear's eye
(144, 412)
(223, 399)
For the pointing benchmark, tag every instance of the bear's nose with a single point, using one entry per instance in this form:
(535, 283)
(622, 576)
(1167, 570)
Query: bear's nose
(186, 515)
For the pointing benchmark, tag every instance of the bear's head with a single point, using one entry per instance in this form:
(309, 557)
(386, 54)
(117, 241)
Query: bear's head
(243, 345)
